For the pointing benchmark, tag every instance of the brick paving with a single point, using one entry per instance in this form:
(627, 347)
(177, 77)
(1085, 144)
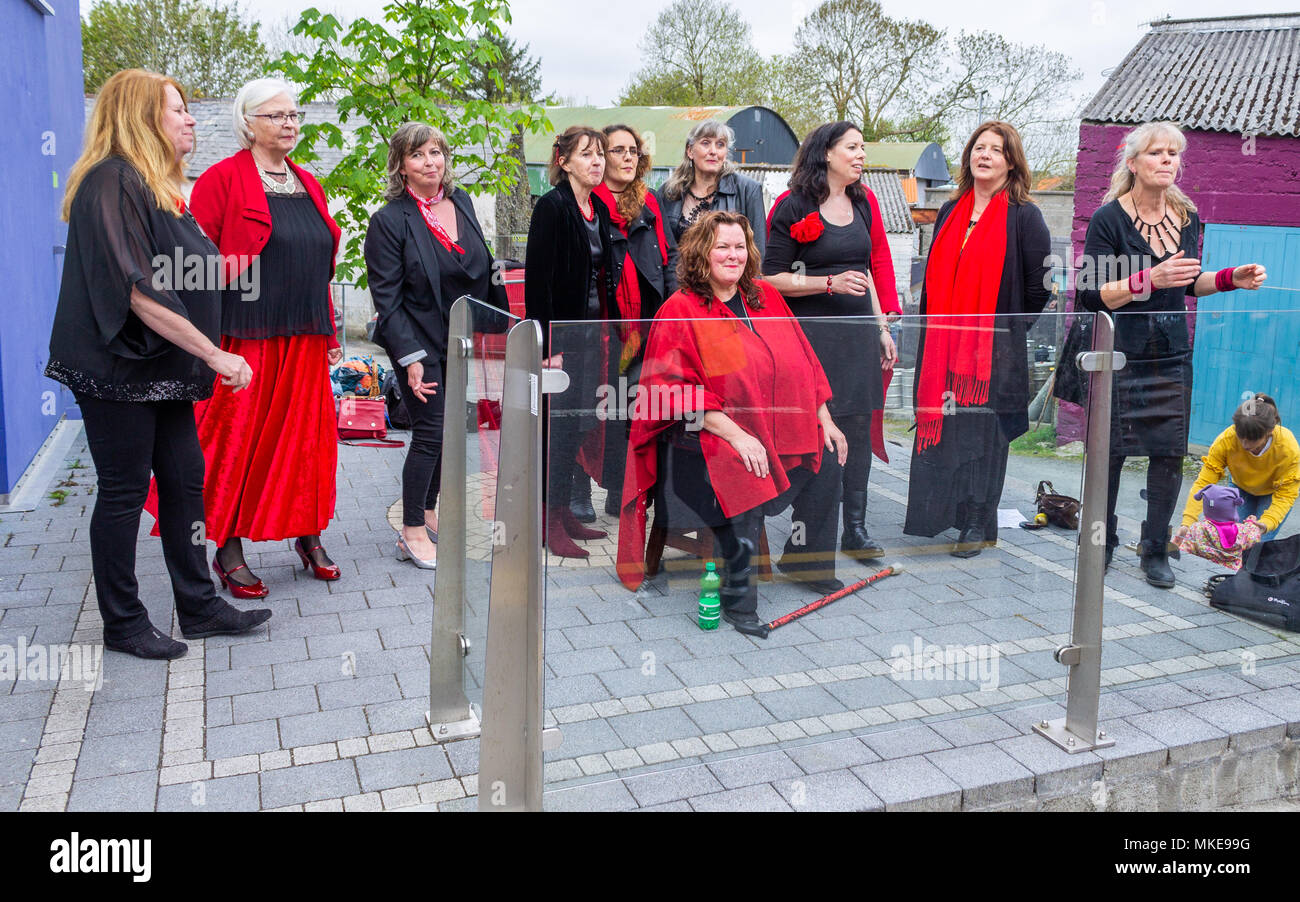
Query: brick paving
(323, 709)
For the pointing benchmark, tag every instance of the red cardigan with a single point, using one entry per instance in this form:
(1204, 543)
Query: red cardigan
(768, 380)
(229, 202)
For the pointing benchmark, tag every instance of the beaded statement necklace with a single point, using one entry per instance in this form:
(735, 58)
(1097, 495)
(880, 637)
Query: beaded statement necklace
(1166, 228)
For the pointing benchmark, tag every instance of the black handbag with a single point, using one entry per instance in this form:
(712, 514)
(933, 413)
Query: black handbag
(1266, 588)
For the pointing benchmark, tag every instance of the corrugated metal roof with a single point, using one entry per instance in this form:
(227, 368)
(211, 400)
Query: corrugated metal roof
(888, 188)
(663, 128)
(214, 140)
(1234, 74)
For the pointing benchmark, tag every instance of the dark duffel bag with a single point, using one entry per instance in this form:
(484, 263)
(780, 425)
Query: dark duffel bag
(1266, 588)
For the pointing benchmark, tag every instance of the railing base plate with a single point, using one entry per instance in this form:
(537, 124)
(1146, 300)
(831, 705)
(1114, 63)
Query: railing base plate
(1056, 731)
(456, 729)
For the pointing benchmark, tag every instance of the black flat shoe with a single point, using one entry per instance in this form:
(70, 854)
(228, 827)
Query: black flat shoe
(229, 621)
(149, 644)
(749, 624)
(823, 586)
(970, 542)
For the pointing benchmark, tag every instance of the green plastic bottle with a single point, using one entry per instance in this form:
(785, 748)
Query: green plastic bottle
(710, 602)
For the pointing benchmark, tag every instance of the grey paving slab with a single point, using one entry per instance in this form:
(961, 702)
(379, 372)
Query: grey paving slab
(404, 714)
(746, 770)
(868, 692)
(359, 691)
(900, 742)
(837, 790)
(727, 714)
(974, 730)
(355, 643)
(242, 739)
(1188, 737)
(911, 783)
(672, 785)
(748, 798)
(800, 702)
(1249, 725)
(26, 705)
(589, 660)
(1217, 685)
(308, 783)
(1056, 771)
(239, 681)
(707, 671)
(587, 737)
(125, 716)
(836, 754)
(1270, 676)
(240, 793)
(1160, 696)
(322, 726)
(463, 756)
(661, 725)
(254, 706)
(125, 792)
(122, 753)
(562, 691)
(407, 767)
(254, 654)
(608, 795)
(636, 681)
(986, 774)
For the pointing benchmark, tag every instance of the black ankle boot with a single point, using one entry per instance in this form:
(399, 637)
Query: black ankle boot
(1155, 557)
(736, 577)
(580, 500)
(972, 539)
(1112, 539)
(856, 542)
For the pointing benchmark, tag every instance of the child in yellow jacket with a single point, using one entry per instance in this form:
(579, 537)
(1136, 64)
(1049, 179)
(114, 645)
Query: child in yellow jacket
(1263, 461)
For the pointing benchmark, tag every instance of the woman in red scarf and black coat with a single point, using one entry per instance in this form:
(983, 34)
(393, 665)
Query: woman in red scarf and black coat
(739, 400)
(988, 262)
(642, 269)
(828, 254)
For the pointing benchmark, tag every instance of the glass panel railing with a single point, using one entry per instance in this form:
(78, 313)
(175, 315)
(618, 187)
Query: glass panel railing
(679, 438)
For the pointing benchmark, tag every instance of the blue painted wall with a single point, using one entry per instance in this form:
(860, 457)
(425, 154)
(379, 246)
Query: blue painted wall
(43, 108)
(1247, 341)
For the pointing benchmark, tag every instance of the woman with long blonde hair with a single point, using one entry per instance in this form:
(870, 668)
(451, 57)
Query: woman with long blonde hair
(707, 179)
(1140, 257)
(135, 339)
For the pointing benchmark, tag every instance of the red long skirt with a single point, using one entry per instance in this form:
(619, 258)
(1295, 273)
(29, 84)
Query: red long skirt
(271, 450)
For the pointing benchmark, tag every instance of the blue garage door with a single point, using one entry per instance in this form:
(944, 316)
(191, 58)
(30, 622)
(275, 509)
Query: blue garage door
(1245, 340)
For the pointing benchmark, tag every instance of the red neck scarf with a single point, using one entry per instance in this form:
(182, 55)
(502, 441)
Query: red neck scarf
(961, 289)
(628, 293)
(431, 220)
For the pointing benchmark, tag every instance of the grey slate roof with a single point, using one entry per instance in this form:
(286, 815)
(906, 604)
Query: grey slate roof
(214, 140)
(894, 209)
(1235, 74)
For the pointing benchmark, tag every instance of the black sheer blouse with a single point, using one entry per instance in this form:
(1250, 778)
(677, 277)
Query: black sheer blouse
(118, 239)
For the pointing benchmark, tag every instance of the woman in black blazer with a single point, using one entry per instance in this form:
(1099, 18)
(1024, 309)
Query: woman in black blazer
(567, 277)
(424, 249)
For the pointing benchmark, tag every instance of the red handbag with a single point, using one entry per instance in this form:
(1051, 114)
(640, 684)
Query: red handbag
(365, 418)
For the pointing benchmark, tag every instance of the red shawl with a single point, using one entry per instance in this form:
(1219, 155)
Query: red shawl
(700, 359)
(960, 281)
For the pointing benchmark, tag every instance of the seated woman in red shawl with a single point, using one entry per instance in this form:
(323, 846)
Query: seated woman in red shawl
(735, 391)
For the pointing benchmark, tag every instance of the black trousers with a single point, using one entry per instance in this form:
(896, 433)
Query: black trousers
(127, 440)
(1164, 482)
(815, 497)
(422, 471)
(857, 467)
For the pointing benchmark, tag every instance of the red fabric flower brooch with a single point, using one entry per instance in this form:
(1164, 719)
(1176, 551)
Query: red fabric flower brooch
(808, 229)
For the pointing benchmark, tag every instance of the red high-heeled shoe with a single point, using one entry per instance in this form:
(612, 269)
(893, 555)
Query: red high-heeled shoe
(256, 590)
(327, 573)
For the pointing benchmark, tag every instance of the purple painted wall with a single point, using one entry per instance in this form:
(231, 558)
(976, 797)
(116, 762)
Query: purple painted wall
(1230, 181)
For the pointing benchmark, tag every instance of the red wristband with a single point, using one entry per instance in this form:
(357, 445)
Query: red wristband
(828, 285)
(1223, 280)
(1139, 284)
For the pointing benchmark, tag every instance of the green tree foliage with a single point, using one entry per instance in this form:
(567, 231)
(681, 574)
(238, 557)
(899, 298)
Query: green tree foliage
(514, 77)
(416, 65)
(209, 48)
(698, 53)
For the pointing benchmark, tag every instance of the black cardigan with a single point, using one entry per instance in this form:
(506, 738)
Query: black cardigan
(558, 268)
(658, 280)
(1024, 289)
(405, 282)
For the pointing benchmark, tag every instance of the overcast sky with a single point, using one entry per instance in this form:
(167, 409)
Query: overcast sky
(589, 54)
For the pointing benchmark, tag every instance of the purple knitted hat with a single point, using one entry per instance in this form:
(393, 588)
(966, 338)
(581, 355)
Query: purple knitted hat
(1220, 502)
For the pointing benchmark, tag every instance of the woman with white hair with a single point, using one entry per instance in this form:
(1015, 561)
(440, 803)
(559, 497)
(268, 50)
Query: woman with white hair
(271, 451)
(1140, 257)
(706, 180)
